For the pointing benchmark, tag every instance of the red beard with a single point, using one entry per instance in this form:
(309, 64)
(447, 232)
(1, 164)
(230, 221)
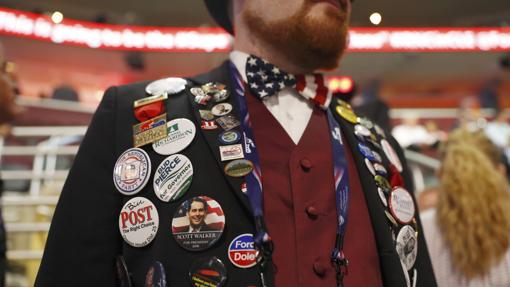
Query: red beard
(308, 42)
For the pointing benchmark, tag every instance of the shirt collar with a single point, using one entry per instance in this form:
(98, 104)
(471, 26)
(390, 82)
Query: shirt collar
(239, 58)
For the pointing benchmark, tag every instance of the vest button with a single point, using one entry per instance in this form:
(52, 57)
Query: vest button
(319, 269)
(306, 164)
(312, 212)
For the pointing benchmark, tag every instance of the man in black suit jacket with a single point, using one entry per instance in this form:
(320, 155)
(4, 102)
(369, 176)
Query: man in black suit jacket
(84, 241)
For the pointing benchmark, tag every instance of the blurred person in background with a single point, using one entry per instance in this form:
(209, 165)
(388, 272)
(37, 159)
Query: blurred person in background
(413, 135)
(468, 234)
(8, 111)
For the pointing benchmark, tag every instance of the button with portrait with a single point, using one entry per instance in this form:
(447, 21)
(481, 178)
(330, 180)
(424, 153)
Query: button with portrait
(208, 272)
(155, 276)
(407, 246)
(198, 223)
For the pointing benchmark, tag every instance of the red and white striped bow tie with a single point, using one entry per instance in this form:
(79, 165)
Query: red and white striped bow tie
(264, 80)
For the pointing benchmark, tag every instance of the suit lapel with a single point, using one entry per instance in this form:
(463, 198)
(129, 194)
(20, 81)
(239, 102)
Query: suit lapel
(389, 259)
(220, 75)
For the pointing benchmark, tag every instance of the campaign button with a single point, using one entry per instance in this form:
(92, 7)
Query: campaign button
(379, 131)
(132, 171)
(123, 278)
(347, 114)
(155, 276)
(370, 166)
(173, 177)
(198, 92)
(382, 183)
(207, 272)
(242, 252)
(181, 133)
(366, 122)
(382, 196)
(362, 131)
(402, 205)
(228, 122)
(198, 223)
(380, 169)
(167, 86)
(229, 137)
(239, 168)
(138, 222)
(391, 155)
(366, 151)
(231, 152)
(222, 109)
(209, 125)
(206, 115)
(377, 156)
(391, 218)
(407, 246)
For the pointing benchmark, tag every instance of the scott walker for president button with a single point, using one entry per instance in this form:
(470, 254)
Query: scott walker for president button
(208, 272)
(229, 137)
(242, 252)
(138, 222)
(173, 177)
(402, 205)
(132, 171)
(181, 133)
(155, 276)
(198, 223)
(167, 86)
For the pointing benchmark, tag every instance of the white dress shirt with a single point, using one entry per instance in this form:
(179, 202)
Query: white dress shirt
(289, 108)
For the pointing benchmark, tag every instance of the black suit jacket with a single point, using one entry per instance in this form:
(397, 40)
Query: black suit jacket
(84, 237)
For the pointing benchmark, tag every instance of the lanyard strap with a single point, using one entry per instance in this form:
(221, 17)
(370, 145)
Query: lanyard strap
(255, 188)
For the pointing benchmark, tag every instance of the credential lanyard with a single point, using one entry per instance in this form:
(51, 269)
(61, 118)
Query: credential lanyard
(254, 180)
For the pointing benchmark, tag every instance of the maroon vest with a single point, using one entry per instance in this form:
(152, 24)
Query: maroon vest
(299, 205)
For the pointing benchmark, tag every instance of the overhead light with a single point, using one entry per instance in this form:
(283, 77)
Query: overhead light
(375, 18)
(57, 17)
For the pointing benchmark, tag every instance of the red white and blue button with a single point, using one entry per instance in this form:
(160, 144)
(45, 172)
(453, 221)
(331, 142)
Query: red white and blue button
(242, 252)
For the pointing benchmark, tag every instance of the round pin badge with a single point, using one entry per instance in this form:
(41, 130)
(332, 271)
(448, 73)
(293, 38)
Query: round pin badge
(370, 166)
(167, 86)
(362, 130)
(138, 222)
(377, 156)
(347, 114)
(380, 169)
(181, 133)
(383, 183)
(402, 205)
(206, 115)
(391, 155)
(379, 131)
(173, 177)
(230, 137)
(239, 168)
(390, 218)
(198, 223)
(198, 92)
(208, 272)
(242, 252)
(366, 151)
(123, 278)
(407, 246)
(221, 109)
(132, 171)
(382, 196)
(155, 276)
(366, 122)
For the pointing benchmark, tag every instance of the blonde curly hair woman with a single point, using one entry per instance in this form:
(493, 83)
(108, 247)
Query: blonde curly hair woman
(468, 235)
